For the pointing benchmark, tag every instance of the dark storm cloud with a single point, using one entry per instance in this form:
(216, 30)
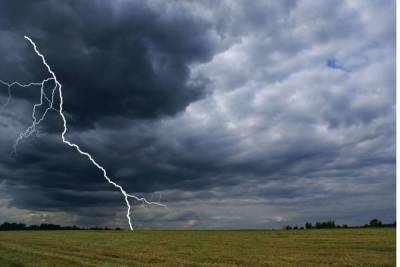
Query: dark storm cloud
(116, 61)
(229, 110)
(119, 59)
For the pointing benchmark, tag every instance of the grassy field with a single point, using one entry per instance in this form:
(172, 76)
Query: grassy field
(337, 247)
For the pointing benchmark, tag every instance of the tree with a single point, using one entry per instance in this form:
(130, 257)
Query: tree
(308, 225)
(324, 225)
(12, 226)
(288, 227)
(375, 223)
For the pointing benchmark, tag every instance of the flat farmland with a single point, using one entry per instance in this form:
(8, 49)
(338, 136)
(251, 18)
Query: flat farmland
(335, 247)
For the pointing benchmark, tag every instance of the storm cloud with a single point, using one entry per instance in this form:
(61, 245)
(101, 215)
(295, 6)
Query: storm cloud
(124, 59)
(238, 114)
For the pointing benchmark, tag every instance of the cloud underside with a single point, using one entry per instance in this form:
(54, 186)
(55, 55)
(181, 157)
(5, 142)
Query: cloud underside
(237, 115)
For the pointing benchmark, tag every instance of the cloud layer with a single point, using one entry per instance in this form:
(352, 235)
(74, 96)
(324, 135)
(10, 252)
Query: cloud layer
(239, 115)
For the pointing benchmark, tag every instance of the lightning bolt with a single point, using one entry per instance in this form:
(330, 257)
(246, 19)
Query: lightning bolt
(36, 120)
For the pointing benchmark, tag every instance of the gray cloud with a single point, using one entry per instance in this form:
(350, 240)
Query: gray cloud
(240, 115)
(130, 57)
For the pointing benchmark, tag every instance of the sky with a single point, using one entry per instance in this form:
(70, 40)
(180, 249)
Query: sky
(235, 114)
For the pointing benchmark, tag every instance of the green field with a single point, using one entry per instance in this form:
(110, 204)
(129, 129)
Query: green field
(337, 247)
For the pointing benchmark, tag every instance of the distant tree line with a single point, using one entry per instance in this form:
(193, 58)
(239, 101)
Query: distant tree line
(331, 224)
(6, 226)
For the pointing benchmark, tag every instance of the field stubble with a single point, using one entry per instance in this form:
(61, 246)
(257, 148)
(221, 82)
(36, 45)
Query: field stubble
(337, 247)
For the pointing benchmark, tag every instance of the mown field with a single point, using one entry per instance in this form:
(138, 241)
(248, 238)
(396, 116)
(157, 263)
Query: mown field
(337, 247)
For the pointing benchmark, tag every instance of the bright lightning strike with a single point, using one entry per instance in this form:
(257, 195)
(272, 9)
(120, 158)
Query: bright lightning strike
(36, 120)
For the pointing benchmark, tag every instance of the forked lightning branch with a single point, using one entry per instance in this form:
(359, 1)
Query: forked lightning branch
(50, 105)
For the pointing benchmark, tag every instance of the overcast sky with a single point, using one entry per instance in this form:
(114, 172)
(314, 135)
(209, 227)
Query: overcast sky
(239, 114)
